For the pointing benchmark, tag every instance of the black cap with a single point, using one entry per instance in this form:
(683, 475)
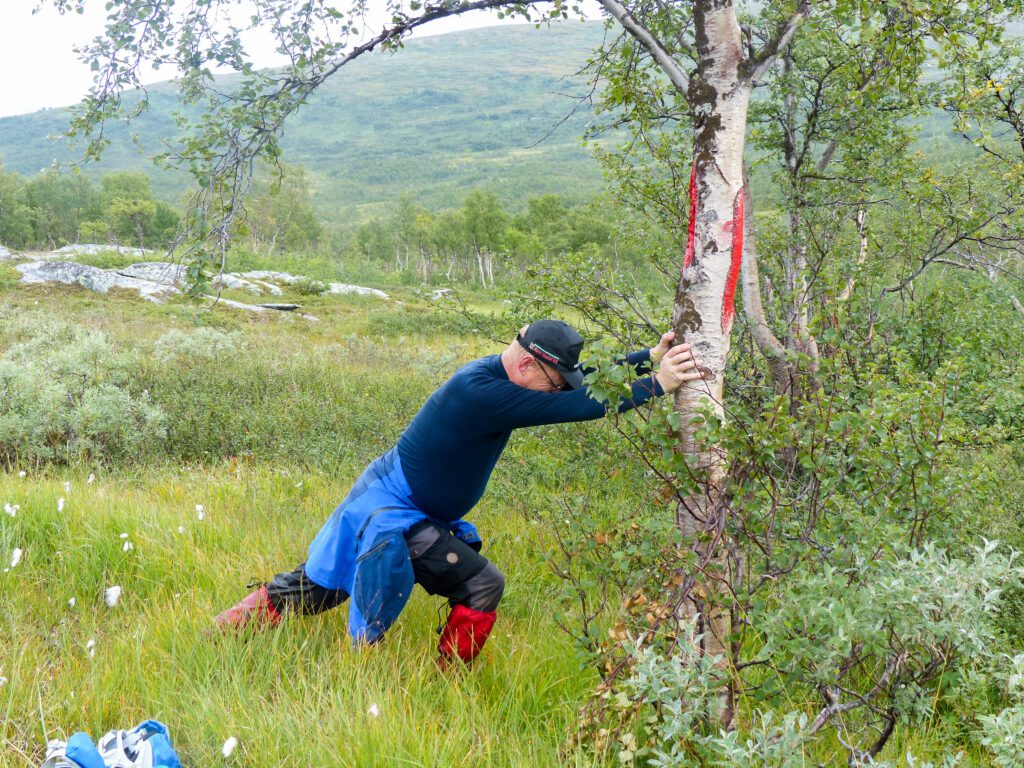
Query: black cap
(556, 344)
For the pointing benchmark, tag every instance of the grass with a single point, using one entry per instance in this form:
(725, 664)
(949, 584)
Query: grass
(268, 440)
(299, 692)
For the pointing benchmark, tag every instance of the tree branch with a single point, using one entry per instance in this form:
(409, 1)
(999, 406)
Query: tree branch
(759, 64)
(643, 36)
(767, 343)
(429, 14)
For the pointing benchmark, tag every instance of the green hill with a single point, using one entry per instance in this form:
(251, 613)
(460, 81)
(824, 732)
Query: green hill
(446, 114)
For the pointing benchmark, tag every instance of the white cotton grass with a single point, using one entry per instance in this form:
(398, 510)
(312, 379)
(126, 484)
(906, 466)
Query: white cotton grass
(111, 595)
(15, 558)
(128, 547)
(91, 480)
(373, 711)
(91, 647)
(60, 504)
(181, 529)
(200, 512)
(11, 509)
(229, 746)
(67, 486)
(71, 603)
(22, 474)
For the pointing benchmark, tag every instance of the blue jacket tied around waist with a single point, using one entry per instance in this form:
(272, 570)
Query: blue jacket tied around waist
(361, 549)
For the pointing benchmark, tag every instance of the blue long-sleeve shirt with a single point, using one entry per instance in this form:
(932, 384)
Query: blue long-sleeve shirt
(450, 448)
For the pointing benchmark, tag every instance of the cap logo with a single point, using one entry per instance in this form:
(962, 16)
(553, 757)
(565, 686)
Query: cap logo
(538, 350)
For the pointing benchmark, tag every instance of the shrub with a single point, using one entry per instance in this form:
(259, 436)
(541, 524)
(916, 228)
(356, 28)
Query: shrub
(67, 393)
(1001, 732)
(307, 286)
(178, 346)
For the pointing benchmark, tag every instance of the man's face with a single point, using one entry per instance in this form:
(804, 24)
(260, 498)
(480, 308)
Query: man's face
(544, 378)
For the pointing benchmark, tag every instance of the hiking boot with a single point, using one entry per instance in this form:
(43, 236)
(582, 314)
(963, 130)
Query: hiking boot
(254, 609)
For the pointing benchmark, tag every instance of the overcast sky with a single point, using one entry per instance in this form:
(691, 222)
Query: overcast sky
(39, 68)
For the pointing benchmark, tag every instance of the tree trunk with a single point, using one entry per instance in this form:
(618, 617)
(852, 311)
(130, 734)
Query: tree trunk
(767, 343)
(719, 95)
(862, 254)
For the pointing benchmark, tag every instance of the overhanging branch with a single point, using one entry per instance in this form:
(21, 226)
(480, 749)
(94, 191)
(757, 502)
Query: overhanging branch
(430, 13)
(650, 42)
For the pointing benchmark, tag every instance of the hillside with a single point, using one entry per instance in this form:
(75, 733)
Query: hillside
(444, 115)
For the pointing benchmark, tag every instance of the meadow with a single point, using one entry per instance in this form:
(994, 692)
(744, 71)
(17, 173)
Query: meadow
(183, 451)
(265, 423)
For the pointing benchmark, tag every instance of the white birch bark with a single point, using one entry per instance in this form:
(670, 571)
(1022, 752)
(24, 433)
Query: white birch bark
(704, 308)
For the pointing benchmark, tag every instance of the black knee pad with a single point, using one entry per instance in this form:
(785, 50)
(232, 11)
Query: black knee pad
(484, 591)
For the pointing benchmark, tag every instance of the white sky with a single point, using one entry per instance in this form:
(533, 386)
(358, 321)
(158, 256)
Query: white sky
(39, 68)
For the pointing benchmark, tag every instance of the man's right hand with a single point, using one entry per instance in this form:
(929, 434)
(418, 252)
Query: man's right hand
(678, 366)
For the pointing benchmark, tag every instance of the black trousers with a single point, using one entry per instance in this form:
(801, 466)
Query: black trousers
(441, 564)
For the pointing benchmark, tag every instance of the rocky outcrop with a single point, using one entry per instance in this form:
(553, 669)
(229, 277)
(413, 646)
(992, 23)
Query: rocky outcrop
(156, 271)
(93, 278)
(5, 254)
(335, 288)
(156, 280)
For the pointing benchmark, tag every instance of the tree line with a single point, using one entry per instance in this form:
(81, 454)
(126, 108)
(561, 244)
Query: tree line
(482, 241)
(53, 209)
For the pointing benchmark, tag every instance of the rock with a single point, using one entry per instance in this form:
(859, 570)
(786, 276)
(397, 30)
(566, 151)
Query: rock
(235, 304)
(93, 278)
(343, 288)
(277, 277)
(164, 272)
(155, 280)
(67, 272)
(231, 280)
(91, 249)
(5, 254)
(335, 288)
(148, 289)
(268, 287)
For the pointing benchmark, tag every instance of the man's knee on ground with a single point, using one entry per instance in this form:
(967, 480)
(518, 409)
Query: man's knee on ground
(485, 589)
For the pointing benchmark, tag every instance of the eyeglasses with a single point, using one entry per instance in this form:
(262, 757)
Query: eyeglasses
(554, 387)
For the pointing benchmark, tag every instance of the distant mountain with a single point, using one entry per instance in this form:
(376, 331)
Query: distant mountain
(438, 118)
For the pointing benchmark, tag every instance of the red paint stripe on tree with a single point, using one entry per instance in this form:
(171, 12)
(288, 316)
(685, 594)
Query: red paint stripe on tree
(729, 297)
(691, 225)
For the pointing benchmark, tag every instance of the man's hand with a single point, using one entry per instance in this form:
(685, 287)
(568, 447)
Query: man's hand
(678, 365)
(658, 352)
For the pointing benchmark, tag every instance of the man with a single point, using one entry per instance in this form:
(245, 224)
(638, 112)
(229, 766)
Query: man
(402, 523)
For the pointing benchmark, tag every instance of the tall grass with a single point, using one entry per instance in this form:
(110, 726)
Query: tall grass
(268, 422)
(296, 695)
